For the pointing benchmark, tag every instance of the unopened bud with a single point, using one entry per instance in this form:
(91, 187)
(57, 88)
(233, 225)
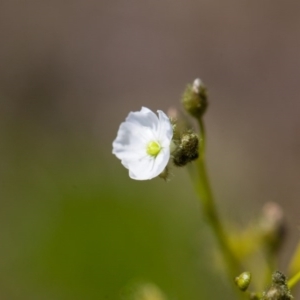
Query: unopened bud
(243, 281)
(279, 289)
(272, 225)
(187, 150)
(195, 98)
(278, 278)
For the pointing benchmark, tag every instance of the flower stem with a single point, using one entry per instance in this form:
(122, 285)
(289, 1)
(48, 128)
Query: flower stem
(210, 211)
(294, 280)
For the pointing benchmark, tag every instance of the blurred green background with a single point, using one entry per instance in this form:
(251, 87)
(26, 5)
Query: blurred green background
(73, 224)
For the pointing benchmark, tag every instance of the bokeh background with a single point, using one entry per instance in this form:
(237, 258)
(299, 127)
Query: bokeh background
(72, 223)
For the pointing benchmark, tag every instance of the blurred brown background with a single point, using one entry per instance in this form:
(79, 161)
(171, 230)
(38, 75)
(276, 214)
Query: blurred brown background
(70, 71)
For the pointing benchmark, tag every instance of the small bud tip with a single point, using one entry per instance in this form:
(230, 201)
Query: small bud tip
(196, 85)
(243, 281)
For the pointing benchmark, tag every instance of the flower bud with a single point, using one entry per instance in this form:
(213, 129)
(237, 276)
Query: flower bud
(187, 150)
(278, 278)
(272, 225)
(194, 98)
(243, 281)
(279, 289)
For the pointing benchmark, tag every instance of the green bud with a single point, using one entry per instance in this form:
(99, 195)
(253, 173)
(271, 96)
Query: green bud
(187, 150)
(243, 281)
(194, 98)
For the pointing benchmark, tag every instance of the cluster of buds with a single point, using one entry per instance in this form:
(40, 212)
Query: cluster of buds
(187, 149)
(279, 289)
(194, 101)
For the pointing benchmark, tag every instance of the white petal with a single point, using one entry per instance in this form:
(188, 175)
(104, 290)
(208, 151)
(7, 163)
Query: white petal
(165, 129)
(141, 170)
(132, 139)
(144, 118)
(149, 167)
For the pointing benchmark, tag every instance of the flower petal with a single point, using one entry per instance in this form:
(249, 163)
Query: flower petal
(165, 129)
(131, 138)
(145, 118)
(149, 167)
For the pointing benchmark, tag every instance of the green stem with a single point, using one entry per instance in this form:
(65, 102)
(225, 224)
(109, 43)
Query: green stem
(294, 280)
(210, 211)
(270, 267)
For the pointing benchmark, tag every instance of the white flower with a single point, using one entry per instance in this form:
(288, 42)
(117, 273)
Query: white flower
(143, 143)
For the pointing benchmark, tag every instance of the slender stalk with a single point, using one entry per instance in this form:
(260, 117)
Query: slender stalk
(270, 267)
(210, 212)
(294, 264)
(294, 280)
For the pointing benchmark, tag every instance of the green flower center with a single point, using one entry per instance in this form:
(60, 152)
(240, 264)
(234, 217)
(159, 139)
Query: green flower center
(153, 148)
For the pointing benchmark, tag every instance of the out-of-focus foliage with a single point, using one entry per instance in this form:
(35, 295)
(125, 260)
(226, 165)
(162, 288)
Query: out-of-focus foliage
(74, 226)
